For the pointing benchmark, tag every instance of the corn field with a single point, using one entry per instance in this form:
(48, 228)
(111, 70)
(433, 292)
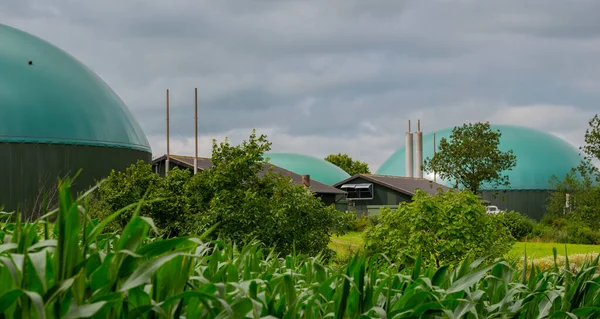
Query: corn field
(73, 270)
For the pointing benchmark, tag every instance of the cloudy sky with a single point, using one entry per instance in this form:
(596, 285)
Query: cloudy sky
(329, 76)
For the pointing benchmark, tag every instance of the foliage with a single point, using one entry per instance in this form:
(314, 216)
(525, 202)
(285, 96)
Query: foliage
(519, 225)
(73, 272)
(289, 218)
(358, 224)
(446, 228)
(168, 210)
(472, 157)
(584, 196)
(237, 193)
(592, 139)
(345, 162)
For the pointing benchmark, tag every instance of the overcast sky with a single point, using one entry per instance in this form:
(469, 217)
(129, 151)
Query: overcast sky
(329, 76)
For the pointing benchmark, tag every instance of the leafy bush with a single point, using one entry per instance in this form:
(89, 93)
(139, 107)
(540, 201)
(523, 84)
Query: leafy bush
(566, 228)
(579, 232)
(167, 209)
(245, 202)
(520, 226)
(355, 223)
(445, 228)
(543, 232)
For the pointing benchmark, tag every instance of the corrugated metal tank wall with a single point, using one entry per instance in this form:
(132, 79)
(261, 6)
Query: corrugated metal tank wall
(531, 203)
(27, 169)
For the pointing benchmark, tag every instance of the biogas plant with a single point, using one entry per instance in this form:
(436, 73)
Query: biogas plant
(539, 156)
(57, 117)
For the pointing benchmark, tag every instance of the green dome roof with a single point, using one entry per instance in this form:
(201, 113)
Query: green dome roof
(318, 169)
(539, 156)
(47, 96)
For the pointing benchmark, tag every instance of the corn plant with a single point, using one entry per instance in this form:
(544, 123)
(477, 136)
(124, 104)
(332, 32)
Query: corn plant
(73, 269)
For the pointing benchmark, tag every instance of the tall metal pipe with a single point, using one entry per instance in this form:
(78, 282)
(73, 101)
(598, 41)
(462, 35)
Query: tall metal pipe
(434, 150)
(409, 152)
(196, 128)
(168, 146)
(419, 151)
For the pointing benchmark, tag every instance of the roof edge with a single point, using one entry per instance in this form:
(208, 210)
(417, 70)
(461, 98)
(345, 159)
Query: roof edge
(58, 141)
(333, 190)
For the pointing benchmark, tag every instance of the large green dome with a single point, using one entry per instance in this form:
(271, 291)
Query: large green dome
(318, 169)
(539, 156)
(47, 96)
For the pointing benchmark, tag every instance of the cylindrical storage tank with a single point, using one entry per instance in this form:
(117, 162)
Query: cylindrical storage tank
(539, 156)
(57, 117)
(319, 169)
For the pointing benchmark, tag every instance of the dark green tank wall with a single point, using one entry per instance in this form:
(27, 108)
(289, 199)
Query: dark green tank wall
(531, 203)
(26, 169)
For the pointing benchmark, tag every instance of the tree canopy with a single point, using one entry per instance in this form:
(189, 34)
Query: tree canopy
(581, 184)
(592, 139)
(345, 162)
(471, 157)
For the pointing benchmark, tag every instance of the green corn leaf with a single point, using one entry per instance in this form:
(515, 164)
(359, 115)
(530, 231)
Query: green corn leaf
(468, 280)
(8, 247)
(84, 311)
(144, 272)
(9, 298)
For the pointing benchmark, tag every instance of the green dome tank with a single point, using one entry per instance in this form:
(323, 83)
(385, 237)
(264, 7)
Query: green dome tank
(539, 156)
(57, 117)
(318, 169)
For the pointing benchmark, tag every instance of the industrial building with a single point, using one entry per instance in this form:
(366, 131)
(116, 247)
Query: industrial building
(57, 117)
(368, 193)
(328, 194)
(539, 156)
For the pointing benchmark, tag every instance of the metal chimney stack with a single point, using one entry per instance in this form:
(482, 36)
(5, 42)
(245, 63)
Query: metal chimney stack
(409, 152)
(419, 151)
(168, 132)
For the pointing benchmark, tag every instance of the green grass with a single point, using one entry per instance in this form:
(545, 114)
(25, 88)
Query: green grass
(538, 250)
(353, 241)
(347, 244)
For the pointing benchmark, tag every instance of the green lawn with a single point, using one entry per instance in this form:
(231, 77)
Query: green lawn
(537, 250)
(353, 241)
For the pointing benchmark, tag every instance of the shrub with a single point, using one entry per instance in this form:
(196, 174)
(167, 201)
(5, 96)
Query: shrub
(290, 218)
(167, 209)
(578, 232)
(234, 194)
(544, 233)
(520, 226)
(445, 228)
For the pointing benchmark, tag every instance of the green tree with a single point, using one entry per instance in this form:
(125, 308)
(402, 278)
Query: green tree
(472, 157)
(250, 202)
(592, 139)
(237, 193)
(345, 162)
(446, 228)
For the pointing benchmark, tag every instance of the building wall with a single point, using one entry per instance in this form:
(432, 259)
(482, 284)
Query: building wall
(160, 166)
(381, 196)
(528, 202)
(28, 170)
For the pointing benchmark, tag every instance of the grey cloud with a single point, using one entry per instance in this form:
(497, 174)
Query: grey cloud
(321, 68)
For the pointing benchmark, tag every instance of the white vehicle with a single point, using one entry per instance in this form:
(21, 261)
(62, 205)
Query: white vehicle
(492, 210)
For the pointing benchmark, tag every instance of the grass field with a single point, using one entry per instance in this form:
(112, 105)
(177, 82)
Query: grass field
(352, 242)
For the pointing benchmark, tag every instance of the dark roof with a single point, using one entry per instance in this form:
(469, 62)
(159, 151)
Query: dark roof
(205, 163)
(406, 185)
